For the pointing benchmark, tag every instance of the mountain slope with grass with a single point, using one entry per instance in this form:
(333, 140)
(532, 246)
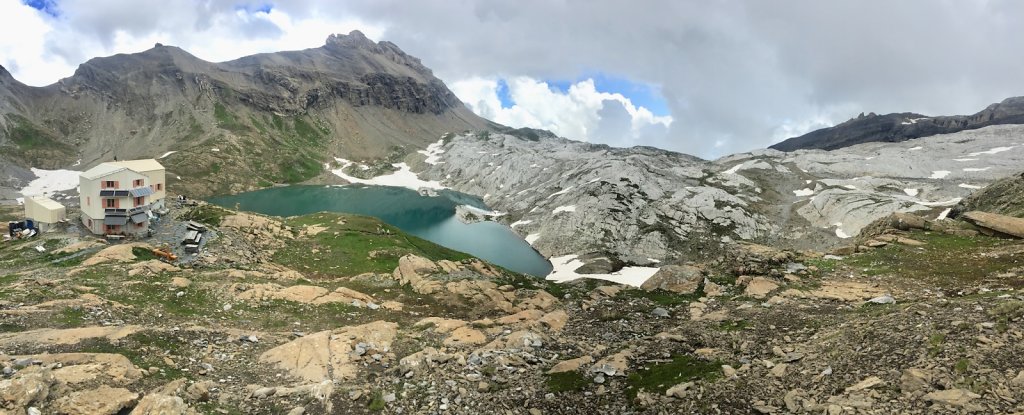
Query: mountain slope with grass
(262, 119)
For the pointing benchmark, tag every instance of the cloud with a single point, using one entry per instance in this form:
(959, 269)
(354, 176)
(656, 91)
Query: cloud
(40, 47)
(735, 75)
(581, 112)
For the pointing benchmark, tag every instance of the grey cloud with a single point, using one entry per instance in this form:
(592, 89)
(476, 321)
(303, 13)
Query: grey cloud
(734, 73)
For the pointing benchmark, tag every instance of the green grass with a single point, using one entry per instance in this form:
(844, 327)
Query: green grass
(145, 349)
(377, 402)
(935, 342)
(227, 120)
(962, 366)
(659, 377)
(945, 260)
(143, 254)
(208, 214)
(347, 253)
(158, 299)
(72, 317)
(662, 297)
(733, 325)
(571, 381)
(11, 327)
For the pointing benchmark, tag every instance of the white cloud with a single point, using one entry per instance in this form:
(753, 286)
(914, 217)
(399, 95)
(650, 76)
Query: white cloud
(22, 45)
(39, 49)
(580, 113)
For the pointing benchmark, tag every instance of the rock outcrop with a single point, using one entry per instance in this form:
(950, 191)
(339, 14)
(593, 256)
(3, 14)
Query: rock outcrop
(904, 126)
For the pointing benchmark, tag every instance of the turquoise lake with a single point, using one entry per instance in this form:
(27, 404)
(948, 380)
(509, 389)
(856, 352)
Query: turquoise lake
(428, 217)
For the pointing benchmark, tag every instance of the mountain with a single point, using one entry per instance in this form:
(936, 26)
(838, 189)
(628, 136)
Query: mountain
(903, 126)
(237, 125)
(612, 207)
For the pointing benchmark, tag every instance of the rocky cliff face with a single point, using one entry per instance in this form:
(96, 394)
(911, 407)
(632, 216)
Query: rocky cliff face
(643, 206)
(903, 126)
(635, 206)
(352, 97)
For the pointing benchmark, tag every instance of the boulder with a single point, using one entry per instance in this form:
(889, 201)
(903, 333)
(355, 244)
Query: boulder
(759, 287)
(465, 335)
(953, 397)
(1003, 224)
(328, 355)
(682, 279)
(413, 270)
(30, 385)
(103, 400)
(555, 320)
(914, 379)
(159, 404)
(571, 365)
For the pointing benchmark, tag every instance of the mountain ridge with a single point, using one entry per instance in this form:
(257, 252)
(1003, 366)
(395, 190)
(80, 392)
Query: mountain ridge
(896, 127)
(350, 97)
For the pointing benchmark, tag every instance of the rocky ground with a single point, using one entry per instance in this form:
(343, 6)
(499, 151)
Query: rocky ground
(331, 313)
(640, 205)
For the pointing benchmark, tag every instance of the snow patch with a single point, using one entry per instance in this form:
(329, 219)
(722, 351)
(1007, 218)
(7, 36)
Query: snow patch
(939, 174)
(992, 151)
(949, 202)
(804, 192)
(215, 150)
(433, 153)
(49, 181)
(910, 192)
(942, 216)
(914, 148)
(965, 159)
(531, 238)
(167, 154)
(734, 169)
(968, 186)
(839, 230)
(564, 269)
(520, 222)
(560, 192)
(977, 168)
(569, 208)
(403, 177)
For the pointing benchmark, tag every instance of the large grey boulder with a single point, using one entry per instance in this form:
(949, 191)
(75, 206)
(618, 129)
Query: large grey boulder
(682, 279)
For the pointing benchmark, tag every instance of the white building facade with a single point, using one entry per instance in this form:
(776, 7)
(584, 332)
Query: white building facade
(118, 198)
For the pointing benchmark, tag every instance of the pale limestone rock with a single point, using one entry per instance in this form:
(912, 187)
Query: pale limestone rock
(679, 391)
(555, 320)
(159, 404)
(953, 397)
(759, 287)
(571, 365)
(103, 400)
(465, 336)
(914, 379)
(328, 354)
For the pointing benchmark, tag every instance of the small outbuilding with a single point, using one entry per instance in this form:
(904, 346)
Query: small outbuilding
(44, 212)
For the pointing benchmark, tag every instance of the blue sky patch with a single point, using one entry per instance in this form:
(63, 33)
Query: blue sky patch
(503, 94)
(641, 94)
(46, 6)
(255, 7)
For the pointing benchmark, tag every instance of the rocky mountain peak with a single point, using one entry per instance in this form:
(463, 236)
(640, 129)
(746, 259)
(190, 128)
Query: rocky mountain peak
(340, 43)
(354, 38)
(5, 76)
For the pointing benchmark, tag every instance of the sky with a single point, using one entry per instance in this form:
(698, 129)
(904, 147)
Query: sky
(708, 78)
